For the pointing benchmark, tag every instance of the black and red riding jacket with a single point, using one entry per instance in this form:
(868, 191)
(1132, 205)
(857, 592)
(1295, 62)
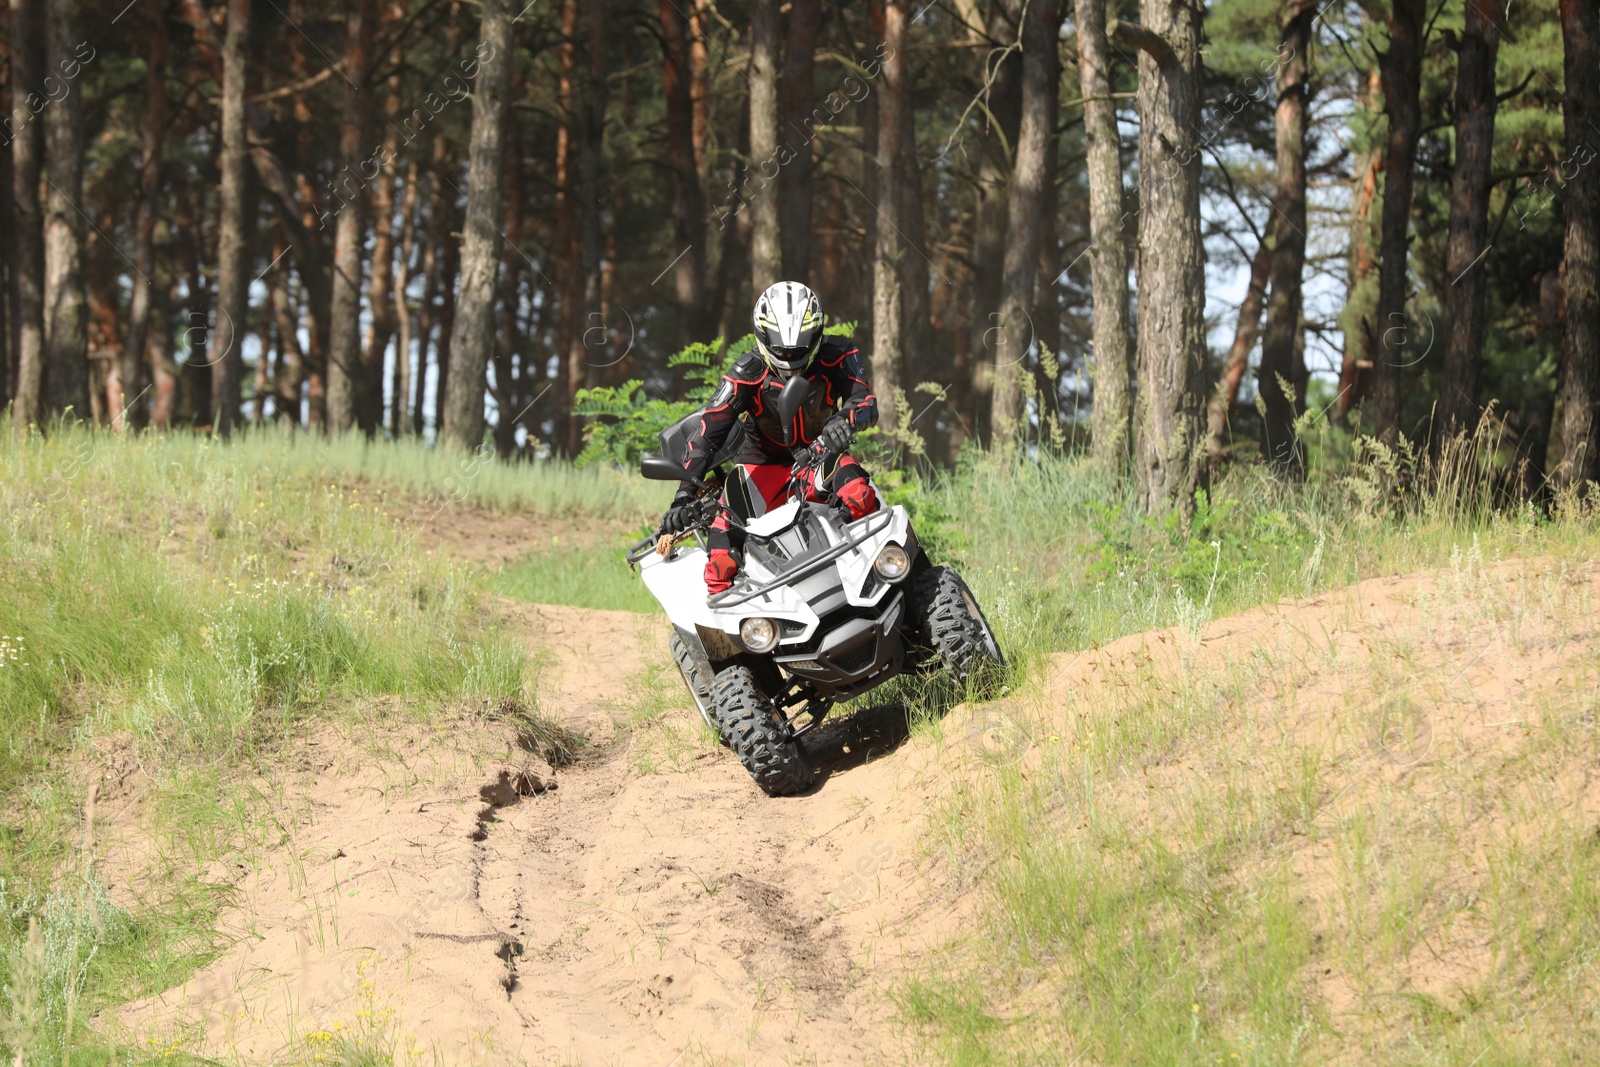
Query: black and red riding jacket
(751, 388)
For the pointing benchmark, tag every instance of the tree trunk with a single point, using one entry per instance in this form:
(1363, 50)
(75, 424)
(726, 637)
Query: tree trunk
(733, 255)
(8, 337)
(867, 207)
(1469, 221)
(612, 369)
(1171, 356)
(1040, 78)
(347, 374)
(101, 290)
(433, 331)
(1046, 309)
(164, 369)
(195, 377)
(569, 325)
(585, 322)
(144, 231)
(999, 137)
(27, 252)
(1112, 364)
(473, 334)
(1538, 418)
(400, 403)
(508, 340)
(1245, 333)
(700, 76)
(271, 357)
(449, 272)
(1402, 78)
(233, 294)
(688, 199)
(916, 343)
(589, 237)
(1356, 319)
(794, 176)
(951, 311)
(288, 382)
(380, 287)
(66, 323)
(888, 310)
(316, 365)
(1580, 363)
(766, 251)
(1281, 382)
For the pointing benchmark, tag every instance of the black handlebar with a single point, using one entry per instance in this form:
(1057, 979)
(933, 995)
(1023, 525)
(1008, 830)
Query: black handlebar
(711, 505)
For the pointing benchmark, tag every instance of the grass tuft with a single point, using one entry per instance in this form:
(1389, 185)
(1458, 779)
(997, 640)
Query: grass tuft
(541, 735)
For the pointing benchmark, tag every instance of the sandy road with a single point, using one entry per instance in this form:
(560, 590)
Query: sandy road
(645, 904)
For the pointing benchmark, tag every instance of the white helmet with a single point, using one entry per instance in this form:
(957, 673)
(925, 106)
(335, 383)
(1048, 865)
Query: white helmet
(788, 321)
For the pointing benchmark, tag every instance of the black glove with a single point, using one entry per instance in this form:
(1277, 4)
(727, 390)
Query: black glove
(835, 436)
(679, 517)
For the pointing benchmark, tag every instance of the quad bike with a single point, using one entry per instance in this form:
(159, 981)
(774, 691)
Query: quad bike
(823, 610)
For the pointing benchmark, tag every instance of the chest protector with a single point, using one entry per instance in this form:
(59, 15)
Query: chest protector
(814, 412)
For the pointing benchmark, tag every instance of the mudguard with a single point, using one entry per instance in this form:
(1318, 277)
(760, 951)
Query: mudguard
(785, 594)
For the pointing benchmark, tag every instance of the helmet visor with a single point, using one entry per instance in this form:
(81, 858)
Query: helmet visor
(789, 359)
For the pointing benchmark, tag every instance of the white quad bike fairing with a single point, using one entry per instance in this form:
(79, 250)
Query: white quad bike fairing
(678, 580)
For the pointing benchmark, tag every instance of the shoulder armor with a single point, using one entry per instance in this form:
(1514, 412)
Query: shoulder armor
(748, 368)
(834, 349)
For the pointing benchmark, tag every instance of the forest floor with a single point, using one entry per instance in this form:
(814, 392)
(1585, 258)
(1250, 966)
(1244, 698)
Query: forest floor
(1407, 766)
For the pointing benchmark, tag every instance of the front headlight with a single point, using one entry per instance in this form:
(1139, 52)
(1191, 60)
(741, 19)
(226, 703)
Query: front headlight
(892, 563)
(759, 635)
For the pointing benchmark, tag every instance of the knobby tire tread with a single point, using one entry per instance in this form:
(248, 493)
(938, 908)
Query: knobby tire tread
(948, 626)
(752, 727)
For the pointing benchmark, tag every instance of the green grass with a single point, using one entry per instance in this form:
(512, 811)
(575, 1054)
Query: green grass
(592, 578)
(1123, 925)
(1105, 936)
(1062, 556)
(183, 594)
(190, 604)
(1138, 899)
(554, 489)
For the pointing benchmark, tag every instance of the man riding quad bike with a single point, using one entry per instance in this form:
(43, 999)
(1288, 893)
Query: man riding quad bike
(802, 589)
(790, 345)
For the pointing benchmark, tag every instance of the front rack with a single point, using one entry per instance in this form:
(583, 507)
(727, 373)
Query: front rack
(871, 526)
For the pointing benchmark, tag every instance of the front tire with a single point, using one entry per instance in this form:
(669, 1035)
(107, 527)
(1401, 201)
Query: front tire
(951, 625)
(697, 677)
(753, 727)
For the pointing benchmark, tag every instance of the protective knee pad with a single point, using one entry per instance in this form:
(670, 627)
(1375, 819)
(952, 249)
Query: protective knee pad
(721, 566)
(857, 494)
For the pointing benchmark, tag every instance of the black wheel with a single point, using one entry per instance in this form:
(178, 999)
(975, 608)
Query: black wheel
(753, 727)
(697, 676)
(950, 624)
